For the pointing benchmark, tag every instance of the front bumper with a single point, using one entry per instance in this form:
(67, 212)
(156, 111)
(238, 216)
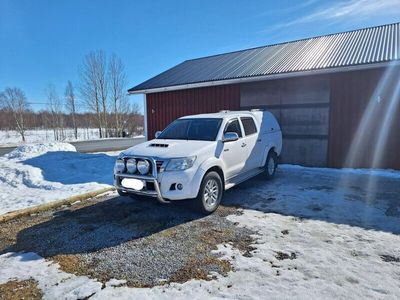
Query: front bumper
(159, 183)
(145, 192)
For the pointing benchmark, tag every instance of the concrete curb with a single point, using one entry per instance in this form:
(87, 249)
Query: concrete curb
(51, 205)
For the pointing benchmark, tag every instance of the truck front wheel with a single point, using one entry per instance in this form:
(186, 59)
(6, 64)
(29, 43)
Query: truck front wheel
(210, 193)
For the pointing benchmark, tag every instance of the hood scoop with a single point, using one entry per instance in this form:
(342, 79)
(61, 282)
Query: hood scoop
(158, 145)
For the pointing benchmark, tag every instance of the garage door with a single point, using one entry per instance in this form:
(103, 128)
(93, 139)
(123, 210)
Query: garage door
(302, 107)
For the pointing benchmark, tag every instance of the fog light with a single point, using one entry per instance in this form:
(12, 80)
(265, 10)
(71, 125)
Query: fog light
(143, 167)
(119, 166)
(131, 165)
(179, 186)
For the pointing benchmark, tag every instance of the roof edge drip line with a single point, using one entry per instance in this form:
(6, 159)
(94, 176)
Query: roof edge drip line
(265, 77)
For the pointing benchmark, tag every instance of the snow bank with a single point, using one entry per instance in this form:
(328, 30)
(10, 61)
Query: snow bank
(35, 174)
(32, 150)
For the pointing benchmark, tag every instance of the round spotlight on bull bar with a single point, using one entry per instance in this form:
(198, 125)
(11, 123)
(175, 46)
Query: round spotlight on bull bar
(131, 165)
(143, 167)
(119, 166)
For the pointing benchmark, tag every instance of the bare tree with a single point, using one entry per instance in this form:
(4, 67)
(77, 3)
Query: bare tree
(117, 83)
(14, 100)
(131, 120)
(71, 105)
(103, 86)
(55, 107)
(93, 87)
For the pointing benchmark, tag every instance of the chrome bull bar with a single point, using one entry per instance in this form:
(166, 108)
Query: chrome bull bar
(148, 178)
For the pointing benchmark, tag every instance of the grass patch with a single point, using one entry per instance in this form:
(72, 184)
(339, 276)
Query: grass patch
(24, 289)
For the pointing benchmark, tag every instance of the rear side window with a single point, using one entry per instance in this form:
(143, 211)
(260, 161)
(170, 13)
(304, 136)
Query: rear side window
(233, 126)
(248, 125)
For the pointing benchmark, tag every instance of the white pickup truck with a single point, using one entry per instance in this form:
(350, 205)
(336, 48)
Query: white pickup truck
(200, 157)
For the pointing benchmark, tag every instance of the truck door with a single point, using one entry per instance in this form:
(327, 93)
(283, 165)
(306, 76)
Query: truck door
(234, 153)
(253, 143)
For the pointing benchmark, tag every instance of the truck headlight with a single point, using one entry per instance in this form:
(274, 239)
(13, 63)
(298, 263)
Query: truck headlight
(131, 165)
(143, 167)
(119, 166)
(177, 164)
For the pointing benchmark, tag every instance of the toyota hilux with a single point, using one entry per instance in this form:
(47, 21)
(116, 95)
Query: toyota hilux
(201, 156)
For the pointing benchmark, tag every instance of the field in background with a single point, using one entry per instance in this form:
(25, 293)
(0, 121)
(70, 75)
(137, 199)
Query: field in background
(12, 137)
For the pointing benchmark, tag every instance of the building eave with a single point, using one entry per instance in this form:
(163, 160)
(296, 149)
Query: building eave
(266, 77)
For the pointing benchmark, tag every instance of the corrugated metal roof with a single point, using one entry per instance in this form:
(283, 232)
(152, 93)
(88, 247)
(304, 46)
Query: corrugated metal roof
(359, 47)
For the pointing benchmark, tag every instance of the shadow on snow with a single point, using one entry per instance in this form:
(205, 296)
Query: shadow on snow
(69, 167)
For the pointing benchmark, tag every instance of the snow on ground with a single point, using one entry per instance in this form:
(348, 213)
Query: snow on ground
(34, 174)
(324, 261)
(348, 171)
(317, 238)
(12, 137)
(366, 198)
(58, 285)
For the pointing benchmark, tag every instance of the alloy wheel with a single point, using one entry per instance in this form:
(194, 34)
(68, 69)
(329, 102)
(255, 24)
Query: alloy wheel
(211, 193)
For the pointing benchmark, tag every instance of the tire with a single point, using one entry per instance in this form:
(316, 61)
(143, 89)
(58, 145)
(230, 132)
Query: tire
(210, 193)
(271, 165)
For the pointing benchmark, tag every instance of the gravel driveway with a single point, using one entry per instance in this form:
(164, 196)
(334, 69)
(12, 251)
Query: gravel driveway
(142, 242)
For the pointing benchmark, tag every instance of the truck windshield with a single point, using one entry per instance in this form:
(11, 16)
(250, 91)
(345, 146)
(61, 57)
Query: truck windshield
(198, 129)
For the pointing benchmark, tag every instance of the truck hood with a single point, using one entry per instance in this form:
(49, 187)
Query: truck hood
(168, 148)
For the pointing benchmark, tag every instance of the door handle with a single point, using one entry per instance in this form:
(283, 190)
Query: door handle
(244, 144)
(259, 140)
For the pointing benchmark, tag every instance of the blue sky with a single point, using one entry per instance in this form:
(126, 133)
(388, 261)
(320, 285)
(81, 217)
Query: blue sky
(45, 41)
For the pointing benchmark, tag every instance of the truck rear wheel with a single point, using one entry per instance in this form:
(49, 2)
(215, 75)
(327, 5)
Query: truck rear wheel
(210, 193)
(271, 165)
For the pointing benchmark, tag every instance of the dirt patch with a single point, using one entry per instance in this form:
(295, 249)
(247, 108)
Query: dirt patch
(282, 255)
(142, 242)
(25, 289)
(315, 208)
(390, 258)
(393, 210)
(321, 188)
(69, 263)
(199, 269)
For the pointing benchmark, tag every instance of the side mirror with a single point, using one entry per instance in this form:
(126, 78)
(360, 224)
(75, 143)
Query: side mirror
(230, 137)
(158, 133)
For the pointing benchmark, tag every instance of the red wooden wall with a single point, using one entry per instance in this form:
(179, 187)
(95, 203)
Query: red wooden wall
(351, 92)
(164, 107)
(349, 95)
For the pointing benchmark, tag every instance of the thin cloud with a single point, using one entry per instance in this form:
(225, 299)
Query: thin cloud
(353, 9)
(287, 10)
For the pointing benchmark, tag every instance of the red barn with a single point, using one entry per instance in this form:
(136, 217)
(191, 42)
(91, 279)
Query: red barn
(337, 97)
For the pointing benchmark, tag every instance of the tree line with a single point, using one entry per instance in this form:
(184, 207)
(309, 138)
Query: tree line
(102, 93)
(132, 122)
